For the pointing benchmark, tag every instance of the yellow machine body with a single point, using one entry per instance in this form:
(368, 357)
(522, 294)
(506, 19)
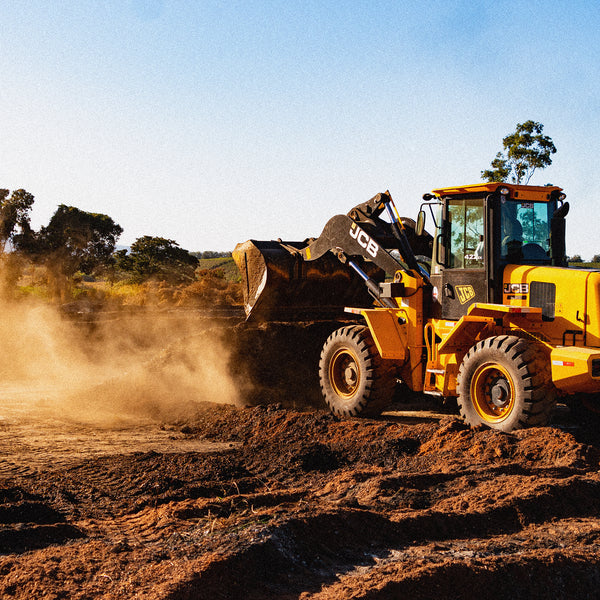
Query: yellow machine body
(485, 310)
(568, 323)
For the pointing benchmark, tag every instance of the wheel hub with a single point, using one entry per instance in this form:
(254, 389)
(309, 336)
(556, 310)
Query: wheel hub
(344, 373)
(500, 392)
(492, 392)
(350, 375)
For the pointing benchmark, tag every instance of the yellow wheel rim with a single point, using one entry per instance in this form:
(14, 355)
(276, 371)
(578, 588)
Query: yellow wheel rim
(344, 373)
(492, 392)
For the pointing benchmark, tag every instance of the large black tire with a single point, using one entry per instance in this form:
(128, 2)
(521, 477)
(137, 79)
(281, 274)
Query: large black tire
(354, 378)
(505, 383)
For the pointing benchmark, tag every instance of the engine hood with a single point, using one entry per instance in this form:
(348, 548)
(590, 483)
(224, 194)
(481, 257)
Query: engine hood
(569, 299)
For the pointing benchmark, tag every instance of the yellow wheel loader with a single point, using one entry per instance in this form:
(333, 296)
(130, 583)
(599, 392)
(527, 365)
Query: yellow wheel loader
(483, 310)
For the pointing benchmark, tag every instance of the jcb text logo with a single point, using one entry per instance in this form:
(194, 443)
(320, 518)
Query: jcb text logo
(364, 240)
(516, 288)
(465, 293)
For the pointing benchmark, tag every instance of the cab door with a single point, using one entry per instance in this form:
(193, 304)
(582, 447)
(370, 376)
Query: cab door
(460, 279)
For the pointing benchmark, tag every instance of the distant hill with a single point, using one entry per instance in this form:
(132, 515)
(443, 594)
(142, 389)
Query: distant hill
(226, 263)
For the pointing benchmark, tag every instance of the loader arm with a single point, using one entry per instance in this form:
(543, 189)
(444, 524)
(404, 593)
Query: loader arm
(362, 232)
(344, 236)
(345, 266)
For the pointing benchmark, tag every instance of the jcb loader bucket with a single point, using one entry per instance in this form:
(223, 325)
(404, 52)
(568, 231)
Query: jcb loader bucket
(279, 284)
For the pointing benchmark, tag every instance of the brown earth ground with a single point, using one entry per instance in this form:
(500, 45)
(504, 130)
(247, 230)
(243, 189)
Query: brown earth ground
(163, 495)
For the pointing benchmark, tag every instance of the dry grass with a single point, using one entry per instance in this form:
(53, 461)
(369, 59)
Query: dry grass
(211, 288)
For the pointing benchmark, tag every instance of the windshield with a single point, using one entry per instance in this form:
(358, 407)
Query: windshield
(525, 230)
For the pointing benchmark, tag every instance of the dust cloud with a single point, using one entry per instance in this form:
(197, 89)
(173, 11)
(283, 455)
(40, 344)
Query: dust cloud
(112, 368)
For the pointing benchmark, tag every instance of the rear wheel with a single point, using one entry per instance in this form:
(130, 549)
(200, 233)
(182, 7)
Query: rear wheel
(354, 378)
(505, 383)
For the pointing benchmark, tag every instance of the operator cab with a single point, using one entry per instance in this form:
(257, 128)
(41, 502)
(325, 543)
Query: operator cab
(484, 227)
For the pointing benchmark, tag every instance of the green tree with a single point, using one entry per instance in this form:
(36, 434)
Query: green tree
(14, 213)
(75, 240)
(596, 258)
(157, 258)
(524, 151)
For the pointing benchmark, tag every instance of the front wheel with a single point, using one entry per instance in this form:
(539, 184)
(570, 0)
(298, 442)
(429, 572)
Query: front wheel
(505, 383)
(354, 378)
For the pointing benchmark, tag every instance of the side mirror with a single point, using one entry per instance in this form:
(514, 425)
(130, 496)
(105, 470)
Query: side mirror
(562, 211)
(420, 226)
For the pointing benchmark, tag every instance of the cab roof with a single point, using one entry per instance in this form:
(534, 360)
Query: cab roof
(529, 192)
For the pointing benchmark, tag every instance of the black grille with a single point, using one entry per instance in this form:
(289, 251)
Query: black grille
(595, 367)
(543, 295)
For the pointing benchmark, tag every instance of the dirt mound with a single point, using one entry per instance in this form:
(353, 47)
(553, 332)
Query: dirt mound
(270, 502)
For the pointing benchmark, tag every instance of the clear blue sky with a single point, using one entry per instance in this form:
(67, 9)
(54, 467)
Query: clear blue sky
(211, 122)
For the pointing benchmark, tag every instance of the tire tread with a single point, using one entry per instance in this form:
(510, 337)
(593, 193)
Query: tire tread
(532, 366)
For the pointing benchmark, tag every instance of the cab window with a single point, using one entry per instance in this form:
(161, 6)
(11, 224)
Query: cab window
(525, 231)
(464, 244)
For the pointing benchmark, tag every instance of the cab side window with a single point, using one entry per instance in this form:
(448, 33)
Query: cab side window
(465, 242)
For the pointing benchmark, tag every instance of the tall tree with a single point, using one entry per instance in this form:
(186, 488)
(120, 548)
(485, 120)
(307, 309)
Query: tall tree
(524, 151)
(14, 213)
(75, 240)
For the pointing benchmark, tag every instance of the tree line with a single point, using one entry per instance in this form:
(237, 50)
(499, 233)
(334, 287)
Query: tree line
(76, 241)
(576, 258)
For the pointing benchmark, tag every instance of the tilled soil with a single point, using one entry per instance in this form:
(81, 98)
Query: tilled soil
(271, 502)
